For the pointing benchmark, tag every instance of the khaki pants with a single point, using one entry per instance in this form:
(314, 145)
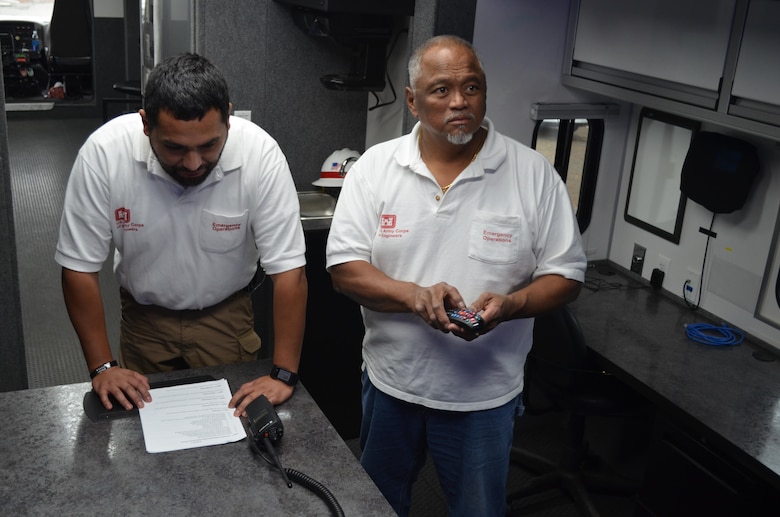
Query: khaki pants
(153, 339)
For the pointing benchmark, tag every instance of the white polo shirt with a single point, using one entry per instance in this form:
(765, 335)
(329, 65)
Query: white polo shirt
(177, 247)
(506, 220)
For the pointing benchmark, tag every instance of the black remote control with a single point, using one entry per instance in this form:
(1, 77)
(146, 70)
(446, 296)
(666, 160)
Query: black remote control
(468, 320)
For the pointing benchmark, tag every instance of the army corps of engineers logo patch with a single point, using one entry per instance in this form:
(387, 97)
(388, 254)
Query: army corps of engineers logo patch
(123, 222)
(388, 227)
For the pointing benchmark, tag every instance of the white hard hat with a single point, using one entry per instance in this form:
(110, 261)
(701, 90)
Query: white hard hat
(335, 167)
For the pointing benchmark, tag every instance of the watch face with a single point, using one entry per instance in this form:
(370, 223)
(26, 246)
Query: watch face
(285, 376)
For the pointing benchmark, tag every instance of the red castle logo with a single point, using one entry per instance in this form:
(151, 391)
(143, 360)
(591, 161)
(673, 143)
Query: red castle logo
(387, 221)
(122, 215)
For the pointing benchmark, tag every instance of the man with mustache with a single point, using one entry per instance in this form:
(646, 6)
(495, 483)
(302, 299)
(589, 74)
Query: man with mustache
(453, 215)
(191, 198)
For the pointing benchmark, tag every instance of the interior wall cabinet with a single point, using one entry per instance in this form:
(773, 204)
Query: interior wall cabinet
(713, 63)
(755, 93)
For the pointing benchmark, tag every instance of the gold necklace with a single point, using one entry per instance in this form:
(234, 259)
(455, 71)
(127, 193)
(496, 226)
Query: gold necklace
(445, 188)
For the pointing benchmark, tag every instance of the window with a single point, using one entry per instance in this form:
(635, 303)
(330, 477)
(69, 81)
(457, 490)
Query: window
(655, 202)
(573, 146)
(38, 11)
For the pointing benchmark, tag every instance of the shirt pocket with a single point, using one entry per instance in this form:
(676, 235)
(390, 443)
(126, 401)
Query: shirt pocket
(222, 233)
(495, 238)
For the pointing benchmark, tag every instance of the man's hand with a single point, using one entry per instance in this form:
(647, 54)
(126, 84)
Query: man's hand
(275, 391)
(494, 308)
(129, 388)
(543, 294)
(431, 304)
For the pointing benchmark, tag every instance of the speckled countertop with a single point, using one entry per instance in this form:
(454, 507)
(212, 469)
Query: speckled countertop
(722, 393)
(55, 461)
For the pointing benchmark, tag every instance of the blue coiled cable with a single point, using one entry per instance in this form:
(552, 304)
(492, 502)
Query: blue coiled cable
(714, 335)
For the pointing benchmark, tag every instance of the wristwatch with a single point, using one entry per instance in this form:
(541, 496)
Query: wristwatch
(286, 376)
(102, 368)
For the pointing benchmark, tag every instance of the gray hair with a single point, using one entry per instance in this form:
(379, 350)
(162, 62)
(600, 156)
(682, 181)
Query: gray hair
(444, 40)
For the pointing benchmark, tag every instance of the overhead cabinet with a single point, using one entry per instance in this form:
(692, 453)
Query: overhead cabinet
(712, 62)
(755, 93)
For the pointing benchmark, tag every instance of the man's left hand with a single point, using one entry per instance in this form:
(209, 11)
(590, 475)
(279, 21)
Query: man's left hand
(275, 391)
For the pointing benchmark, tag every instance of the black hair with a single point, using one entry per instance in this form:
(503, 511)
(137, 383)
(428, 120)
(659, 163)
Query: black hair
(188, 86)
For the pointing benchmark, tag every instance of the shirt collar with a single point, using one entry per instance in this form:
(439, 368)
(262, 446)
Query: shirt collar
(230, 160)
(490, 157)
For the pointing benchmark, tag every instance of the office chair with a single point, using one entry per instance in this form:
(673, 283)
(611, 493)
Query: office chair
(560, 377)
(70, 46)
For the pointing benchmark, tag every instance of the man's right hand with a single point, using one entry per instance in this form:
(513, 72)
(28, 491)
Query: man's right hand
(129, 388)
(431, 304)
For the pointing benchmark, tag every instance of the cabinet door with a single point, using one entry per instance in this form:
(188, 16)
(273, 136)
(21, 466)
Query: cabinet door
(687, 475)
(758, 74)
(683, 42)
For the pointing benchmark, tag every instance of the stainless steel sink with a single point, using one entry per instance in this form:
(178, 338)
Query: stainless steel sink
(316, 204)
(316, 209)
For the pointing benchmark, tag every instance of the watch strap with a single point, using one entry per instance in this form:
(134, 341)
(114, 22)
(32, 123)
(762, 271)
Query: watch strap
(284, 375)
(102, 368)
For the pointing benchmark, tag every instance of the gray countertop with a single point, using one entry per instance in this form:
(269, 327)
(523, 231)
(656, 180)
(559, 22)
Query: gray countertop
(723, 393)
(55, 461)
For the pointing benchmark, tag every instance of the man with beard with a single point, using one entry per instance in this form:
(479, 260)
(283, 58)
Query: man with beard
(452, 216)
(191, 198)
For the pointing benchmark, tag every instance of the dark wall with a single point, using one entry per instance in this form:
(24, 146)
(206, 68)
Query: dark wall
(132, 29)
(273, 69)
(13, 367)
(109, 48)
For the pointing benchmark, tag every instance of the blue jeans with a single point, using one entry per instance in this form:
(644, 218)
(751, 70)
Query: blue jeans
(469, 449)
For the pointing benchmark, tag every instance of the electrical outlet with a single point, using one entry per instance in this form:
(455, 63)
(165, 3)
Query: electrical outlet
(638, 259)
(692, 285)
(245, 114)
(664, 263)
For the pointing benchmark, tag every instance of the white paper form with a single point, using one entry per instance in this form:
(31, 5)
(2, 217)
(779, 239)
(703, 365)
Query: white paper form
(188, 416)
